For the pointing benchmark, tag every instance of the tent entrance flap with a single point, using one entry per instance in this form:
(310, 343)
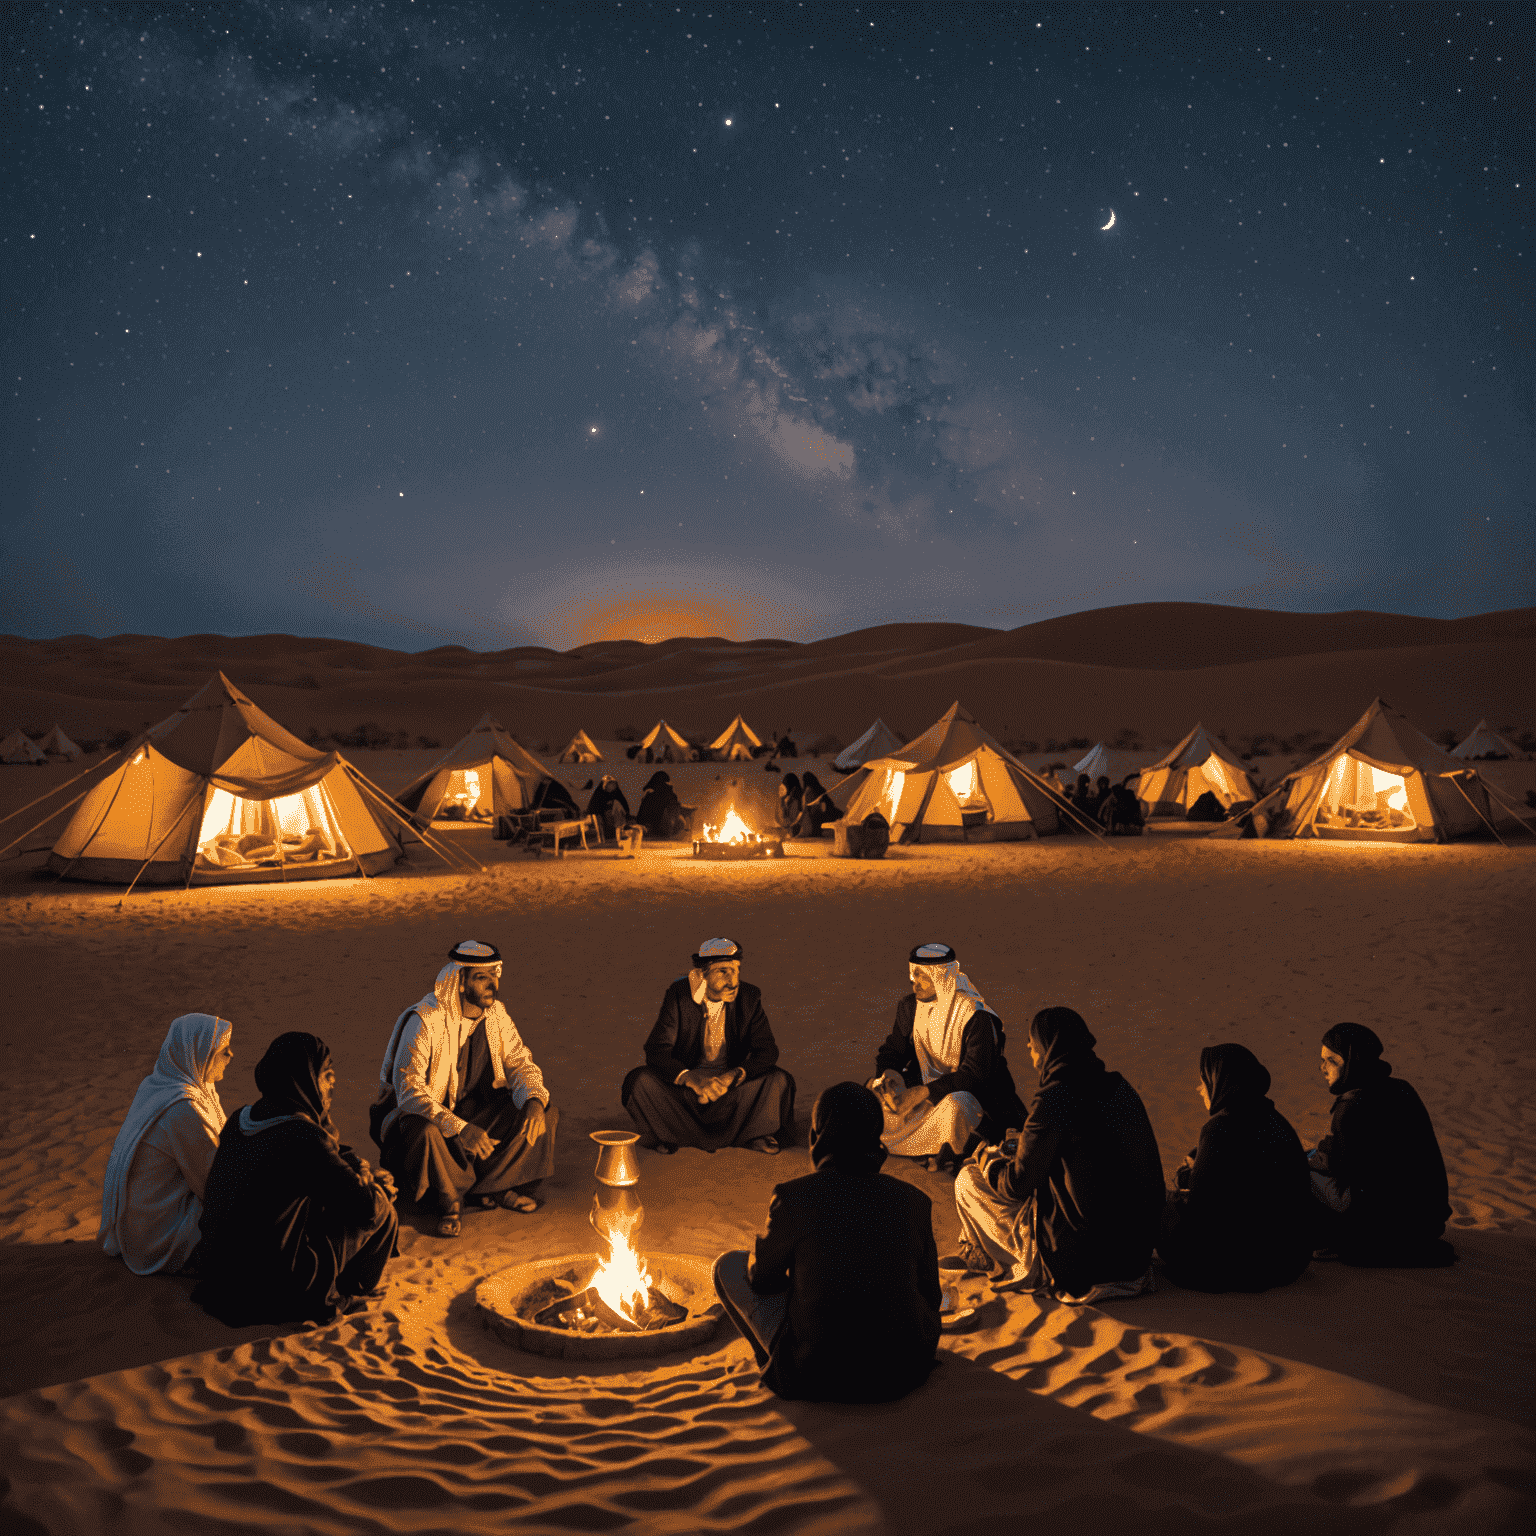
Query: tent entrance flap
(1358, 795)
(241, 834)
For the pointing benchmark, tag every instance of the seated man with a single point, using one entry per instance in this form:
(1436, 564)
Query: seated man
(941, 1075)
(152, 1195)
(296, 1226)
(610, 807)
(463, 1113)
(1075, 1209)
(1378, 1175)
(709, 1079)
(840, 1301)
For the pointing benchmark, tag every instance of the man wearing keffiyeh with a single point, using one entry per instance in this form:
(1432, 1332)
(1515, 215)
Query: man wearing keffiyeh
(463, 1113)
(710, 1078)
(941, 1076)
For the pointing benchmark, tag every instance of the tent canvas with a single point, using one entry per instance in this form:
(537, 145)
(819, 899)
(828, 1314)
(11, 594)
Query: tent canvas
(484, 775)
(665, 744)
(956, 783)
(1383, 780)
(582, 749)
(878, 741)
(219, 793)
(1112, 763)
(57, 744)
(1199, 763)
(1485, 742)
(737, 742)
(18, 747)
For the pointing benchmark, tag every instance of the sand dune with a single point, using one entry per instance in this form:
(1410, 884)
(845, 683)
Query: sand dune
(1353, 1401)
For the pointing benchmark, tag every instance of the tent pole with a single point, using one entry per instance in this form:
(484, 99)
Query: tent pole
(1470, 801)
(46, 819)
(431, 842)
(121, 751)
(156, 849)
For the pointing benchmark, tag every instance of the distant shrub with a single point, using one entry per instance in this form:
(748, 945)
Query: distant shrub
(627, 733)
(116, 739)
(1021, 746)
(1446, 737)
(1525, 740)
(1127, 739)
(826, 746)
(373, 737)
(1077, 743)
(428, 741)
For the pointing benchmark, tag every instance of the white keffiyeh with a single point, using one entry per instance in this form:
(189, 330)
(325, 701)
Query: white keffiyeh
(938, 1028)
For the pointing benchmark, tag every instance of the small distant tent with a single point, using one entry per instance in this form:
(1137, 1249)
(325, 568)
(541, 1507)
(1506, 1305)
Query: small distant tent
(1485, 743)
(665, 745)
(878, 741)
(1112, 763)
(582, 749)
(737, 742)
(219, 793)
(481, 777)
(956, 783)
(1383, 780)
(57, 744)
(1199, 764)
(18, 747)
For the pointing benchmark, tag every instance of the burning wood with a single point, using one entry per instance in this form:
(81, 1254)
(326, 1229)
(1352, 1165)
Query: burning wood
(734, 839)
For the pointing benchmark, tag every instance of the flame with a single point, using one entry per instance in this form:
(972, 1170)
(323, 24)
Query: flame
(732, 830)
(621, 1279)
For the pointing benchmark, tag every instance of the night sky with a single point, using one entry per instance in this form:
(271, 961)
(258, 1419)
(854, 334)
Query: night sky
(498, 324)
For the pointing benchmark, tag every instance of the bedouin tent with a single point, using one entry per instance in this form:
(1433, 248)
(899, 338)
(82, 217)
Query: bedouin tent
(582, 749)
(878, 741)
(1383, 780)
(57, 744)
(737, 742)
(1112, 763)
(665, 745)
(481, 777)
(1485, 742)
(955, 783)
(1199, 763)
(18, 747)
(219, 793)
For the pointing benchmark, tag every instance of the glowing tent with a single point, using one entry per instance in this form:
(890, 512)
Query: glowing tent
(1485, 743)
(878, 741)
(582, 749)
(737, 742)
(219, 793)
(1383, 780)
(18, 747)
(1199, 763)
(665, 745)
(481, 777)
(57, 744)
(955, 783)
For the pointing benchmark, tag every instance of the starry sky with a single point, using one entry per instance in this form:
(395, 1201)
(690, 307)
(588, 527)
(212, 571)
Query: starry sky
(496, 324)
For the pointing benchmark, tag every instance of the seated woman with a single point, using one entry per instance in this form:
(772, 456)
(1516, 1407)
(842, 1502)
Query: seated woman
(1241, 1218)
(791, 804)
(1379, 1178)
(660, 812)
(610, 807)
(1075, 1210)
(819, 808)
(152, 1196)
(840, 1300)
(296, 1227)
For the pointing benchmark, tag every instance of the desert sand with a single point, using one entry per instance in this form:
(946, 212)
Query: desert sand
(1352, 1401)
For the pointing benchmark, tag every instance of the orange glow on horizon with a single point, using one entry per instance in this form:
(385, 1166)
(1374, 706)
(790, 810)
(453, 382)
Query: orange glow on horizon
(653, 616)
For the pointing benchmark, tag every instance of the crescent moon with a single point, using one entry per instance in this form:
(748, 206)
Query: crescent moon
(1111, 223)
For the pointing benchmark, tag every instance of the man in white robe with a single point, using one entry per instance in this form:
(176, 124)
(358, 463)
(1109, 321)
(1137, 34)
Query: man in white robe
(152, 1194)
(941, 1075)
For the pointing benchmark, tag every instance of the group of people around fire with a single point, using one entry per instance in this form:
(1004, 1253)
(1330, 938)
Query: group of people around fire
(841, 1298)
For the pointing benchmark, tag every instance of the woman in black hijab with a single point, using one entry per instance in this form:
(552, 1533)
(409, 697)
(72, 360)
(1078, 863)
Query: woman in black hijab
(1241, 1218)
(791, 804)
(818, 807)
(296, 1227)
(660, 813)
(1378, 1174)
(840, 1300)
(1075, 1209)
(609, 806)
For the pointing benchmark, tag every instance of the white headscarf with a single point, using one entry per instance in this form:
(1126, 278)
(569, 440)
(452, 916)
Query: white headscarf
(181, 1072)
(443, 997)
(938, 1028)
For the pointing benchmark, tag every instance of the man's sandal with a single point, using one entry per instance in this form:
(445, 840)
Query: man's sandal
(765, 1144)
(524, 1205)
(448, 1224)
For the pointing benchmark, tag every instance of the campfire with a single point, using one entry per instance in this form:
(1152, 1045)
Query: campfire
(734, 839)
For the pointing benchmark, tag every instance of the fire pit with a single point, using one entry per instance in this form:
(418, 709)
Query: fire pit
(734, 839)
(586, 1307)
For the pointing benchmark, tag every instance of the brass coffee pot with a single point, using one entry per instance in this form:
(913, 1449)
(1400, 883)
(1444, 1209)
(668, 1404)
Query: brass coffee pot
(616, 1208)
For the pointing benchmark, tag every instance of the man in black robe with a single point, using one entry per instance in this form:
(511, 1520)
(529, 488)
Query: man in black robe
(1075, 1209)
(462, 1112)
(1241, 1216)
(840, 1300)
(295, 1226)
(660, 812)
(610, 807)
(1382, 1195)
(710, 1079)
